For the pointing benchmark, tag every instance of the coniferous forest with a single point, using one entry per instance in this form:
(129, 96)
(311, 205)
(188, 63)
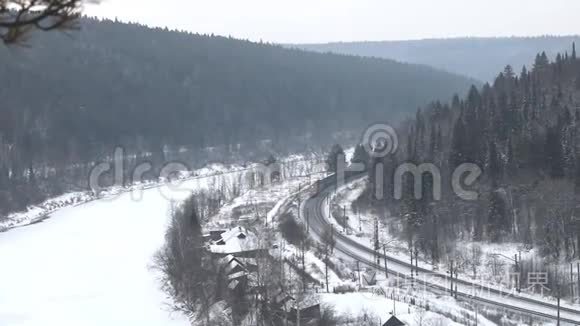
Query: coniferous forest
(523, 131)
(68, 99)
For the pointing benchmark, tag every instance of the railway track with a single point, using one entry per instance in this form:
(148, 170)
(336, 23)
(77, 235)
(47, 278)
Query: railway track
(313, 207)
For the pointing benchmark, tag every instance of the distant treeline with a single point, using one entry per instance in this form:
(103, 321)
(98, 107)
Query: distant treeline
(69, 99)
(479, 58)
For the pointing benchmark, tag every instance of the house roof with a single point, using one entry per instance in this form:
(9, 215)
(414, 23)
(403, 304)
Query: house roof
(227, 259)
(394, 321)
(283, 297)
(237, 275)
(233, 241)
(307, 314)
(233, 284)
(234, 266)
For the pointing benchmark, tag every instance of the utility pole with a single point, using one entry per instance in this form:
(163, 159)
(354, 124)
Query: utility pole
(344, 217)
(394, 305)
(282, 262)
(558, 323)
(266, 220)
(411, 252)
(358, 270)
(303, 249)
(297, 313)
(578, 272)
(456, 277)
(326, 269)
(518, 273)
(299, 201)
(326, 258)
(416, 260)
(385, 257)
(451, 275)
(332, 234)
(376, 242)
(572, 280)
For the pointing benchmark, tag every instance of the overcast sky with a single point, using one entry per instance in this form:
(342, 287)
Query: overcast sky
(312, 21)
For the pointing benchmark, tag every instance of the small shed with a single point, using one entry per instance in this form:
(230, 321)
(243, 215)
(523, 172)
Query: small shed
(215, 235)
(308, 315)
(394, 321)
(370, 278)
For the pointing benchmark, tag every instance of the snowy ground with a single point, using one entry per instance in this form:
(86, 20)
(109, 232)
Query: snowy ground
(87, 265)
(492, 268)
(86, 261)
(354, 307)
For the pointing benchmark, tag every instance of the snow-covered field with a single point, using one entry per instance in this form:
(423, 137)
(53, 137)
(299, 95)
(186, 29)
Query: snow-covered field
(360, 306)
(87, 265)
(77, 260)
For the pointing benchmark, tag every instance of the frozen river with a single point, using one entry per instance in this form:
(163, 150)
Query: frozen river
(87, 265)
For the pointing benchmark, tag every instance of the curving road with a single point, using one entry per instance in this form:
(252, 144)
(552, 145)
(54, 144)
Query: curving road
(314, 208)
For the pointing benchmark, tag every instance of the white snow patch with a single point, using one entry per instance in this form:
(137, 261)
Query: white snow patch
(87, 265)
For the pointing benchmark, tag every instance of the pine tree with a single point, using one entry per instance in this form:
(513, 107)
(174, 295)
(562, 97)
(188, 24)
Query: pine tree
(457, 156)
(512, 166)
(554, 154)
(420, 134)
(545, 59)
(573, 51)
(335, 158)
(433, 145)
(497, 216)
(494, 168)
(577, 178)
(524, 73)
(360, 155)
(508, 72)
(541, 61)
(559, 65)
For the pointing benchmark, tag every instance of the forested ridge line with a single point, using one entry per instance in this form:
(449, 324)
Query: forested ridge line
(477, 57)
(67, 100)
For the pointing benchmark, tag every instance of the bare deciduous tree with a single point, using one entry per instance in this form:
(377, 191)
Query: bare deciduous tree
(20, 17)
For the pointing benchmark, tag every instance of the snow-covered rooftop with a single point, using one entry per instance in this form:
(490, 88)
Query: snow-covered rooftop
(235, 240)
